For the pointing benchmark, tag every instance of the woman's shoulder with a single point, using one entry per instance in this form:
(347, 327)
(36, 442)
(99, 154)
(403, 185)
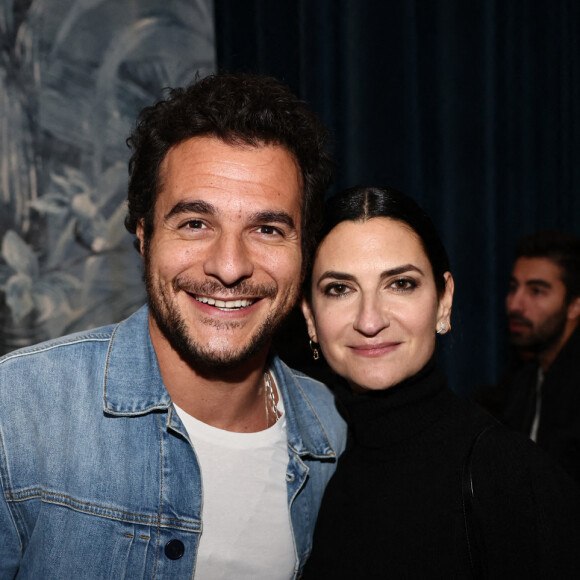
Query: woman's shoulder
(525, 499)
(507, 460)
(507, 453)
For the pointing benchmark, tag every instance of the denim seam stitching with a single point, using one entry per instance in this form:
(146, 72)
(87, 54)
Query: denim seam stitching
(332, 453)
(160, 498)
(50, 346)
(97, 510)
(5, 484)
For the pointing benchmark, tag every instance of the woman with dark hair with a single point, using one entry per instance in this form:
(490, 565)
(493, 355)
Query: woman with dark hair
(429, 486)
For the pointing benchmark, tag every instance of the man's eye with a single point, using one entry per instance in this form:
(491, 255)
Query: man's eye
(269, 230)
(194, 225)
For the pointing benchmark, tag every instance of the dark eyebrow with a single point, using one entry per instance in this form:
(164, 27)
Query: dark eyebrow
(276, 217)
(337, 275)
(197, 206)
(402, 270)
(204, 208)
(538, 282)
(385, 274)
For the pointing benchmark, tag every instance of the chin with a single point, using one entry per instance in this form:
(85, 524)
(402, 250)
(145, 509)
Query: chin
(378, 384)
(380, 380)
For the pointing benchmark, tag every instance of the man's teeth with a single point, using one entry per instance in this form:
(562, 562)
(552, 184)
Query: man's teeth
(225, 304)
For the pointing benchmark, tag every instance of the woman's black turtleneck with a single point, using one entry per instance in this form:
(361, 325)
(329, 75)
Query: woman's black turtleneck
(394, 506)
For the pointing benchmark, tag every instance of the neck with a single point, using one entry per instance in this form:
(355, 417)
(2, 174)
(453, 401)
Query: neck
(395, 416)
(547, 357)
(231, 399)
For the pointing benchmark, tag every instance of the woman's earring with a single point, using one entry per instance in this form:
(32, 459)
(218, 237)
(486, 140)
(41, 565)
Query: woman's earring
(314, 349)
(442, 328)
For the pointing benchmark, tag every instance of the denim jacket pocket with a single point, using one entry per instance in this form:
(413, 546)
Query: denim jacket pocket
(66, 543)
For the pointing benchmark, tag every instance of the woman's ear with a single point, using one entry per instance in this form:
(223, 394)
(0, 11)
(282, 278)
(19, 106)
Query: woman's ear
(445, 303)
(309, 317)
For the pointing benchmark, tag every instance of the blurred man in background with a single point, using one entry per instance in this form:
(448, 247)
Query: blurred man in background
(542, 396)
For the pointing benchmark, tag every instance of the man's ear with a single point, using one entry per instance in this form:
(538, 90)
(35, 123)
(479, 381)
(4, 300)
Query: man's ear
(140, 233)
(574, 308)
(309, 317)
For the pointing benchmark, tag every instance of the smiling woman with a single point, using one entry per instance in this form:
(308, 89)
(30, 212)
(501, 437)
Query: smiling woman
(430, 485)
(372, 306)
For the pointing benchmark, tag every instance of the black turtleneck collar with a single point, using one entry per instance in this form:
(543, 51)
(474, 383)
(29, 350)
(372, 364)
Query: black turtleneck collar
(390, 416)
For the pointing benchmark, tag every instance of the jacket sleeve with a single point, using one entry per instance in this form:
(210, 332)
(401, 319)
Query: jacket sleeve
(526, 510)
(10, 547)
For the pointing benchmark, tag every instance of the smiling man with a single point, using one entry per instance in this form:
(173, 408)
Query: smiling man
(543, 310)
(175, 444)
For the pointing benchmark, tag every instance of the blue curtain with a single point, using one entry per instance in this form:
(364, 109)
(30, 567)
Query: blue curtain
(472, 108)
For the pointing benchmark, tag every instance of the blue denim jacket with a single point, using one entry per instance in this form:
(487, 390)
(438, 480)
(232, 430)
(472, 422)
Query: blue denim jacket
(97, 471)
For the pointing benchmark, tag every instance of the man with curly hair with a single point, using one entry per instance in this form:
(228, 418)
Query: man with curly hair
(175, 444)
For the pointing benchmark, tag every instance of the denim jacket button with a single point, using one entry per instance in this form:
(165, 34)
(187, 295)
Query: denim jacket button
(174, 549)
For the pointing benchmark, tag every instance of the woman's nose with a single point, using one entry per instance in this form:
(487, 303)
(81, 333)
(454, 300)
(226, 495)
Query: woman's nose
(372, 316)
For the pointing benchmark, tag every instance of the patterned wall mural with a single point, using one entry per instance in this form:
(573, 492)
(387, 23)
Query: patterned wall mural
(73, 75)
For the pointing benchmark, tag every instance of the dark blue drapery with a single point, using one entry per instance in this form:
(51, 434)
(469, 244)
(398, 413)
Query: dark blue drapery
(472, 108)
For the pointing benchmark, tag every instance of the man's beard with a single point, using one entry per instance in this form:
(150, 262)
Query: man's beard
(175, 329)
(544, 336)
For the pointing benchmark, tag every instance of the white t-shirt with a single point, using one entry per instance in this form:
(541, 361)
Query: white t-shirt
(246, 530)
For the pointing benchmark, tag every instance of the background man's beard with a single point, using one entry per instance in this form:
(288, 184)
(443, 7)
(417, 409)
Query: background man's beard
(545, 336)
(174, 328)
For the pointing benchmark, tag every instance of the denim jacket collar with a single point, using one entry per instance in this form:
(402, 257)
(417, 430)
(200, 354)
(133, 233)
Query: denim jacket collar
(306, 434)
(133, 386)
(133, 383)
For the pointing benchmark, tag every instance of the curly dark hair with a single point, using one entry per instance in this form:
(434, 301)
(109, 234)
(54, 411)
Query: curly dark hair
(238, 109)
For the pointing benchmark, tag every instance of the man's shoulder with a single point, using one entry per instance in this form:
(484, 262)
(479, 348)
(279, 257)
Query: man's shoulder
(64, 346)
(45, 374)
(78, 359)
(53, 347)
(73, 369)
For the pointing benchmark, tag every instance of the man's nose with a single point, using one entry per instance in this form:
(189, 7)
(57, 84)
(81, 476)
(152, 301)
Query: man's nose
(229, 260)
(515, 301)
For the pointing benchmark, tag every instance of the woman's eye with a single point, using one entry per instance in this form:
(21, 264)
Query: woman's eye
(336, 290)
(403, 284)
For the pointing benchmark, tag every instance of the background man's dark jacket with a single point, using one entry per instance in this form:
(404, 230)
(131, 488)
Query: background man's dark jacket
(559, 429)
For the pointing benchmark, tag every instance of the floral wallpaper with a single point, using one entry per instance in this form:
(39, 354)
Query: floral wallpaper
(73, 76)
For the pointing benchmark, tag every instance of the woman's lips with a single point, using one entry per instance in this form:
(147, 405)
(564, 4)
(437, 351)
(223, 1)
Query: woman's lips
(375, 350)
